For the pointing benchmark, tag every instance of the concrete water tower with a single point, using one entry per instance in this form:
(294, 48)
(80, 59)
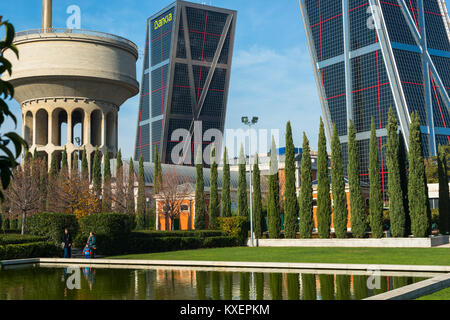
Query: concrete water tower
(70, 84)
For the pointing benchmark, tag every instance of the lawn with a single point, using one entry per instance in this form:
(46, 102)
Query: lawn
(406, 256)
(440, 295)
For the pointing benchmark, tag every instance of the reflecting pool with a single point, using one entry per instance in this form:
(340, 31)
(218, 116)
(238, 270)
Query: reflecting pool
(32, 282)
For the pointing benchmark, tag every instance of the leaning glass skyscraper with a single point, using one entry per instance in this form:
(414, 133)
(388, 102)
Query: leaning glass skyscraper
(369, 55)
(186, 75)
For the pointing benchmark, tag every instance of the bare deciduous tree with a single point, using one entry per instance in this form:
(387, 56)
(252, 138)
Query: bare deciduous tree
(175, 189)
(23, 193)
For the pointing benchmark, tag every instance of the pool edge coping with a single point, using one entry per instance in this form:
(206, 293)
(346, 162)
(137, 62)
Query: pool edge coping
(235, 264)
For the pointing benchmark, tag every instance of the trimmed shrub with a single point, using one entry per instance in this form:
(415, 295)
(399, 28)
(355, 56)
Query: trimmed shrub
(141, 243)
(236, 227)
(178, 233)
(29, 250)
(52, 225)
(19, 239)
(112, 231)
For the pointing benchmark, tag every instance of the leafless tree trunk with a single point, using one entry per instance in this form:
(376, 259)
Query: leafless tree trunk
(23, 192)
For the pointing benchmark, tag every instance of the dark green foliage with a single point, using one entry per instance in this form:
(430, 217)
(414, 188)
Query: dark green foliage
(357, 215)
(53, 168)
(5, 224)
(273, 199)
(417, 188)
(29, 250)
(290, 204)
(200, 206)
(235, 226)
(226, 198)
(340, 210)
(326, 286)
(309, 287)
(323, 187)
(20, 239)
(64, 163)
(276, 286)
(97, 173)
(396, 207)
(242, 186)
(343, 287)
(306, 193)
(158, 172)
(293, 286)
(360, 287)
(43, 185)
(84, 165)
(130, 191)
(13, 224)
(112, 231)
(141, 204)
(139, 242)
(244, 285)
(119, 162)
(444, 201)
(52, 225)
(257, 201)
(404, 169)
(8, 158)
(106, 198)
(214, 193)
(376, 197)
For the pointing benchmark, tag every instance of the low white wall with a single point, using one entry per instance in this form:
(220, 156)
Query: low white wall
(354, 243)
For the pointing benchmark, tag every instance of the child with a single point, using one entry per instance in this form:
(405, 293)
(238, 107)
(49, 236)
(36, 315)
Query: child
(87, 252)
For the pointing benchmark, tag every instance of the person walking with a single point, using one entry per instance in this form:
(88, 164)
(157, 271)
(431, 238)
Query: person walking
(67, 244)
(91, 243)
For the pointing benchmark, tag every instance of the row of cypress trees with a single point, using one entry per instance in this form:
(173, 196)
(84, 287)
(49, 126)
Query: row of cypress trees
(408, 195)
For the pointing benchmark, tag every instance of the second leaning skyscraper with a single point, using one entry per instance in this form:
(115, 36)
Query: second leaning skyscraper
(369, 55)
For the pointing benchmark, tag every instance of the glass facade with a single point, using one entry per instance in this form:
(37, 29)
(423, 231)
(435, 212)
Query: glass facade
(186, 75)
(357, 71)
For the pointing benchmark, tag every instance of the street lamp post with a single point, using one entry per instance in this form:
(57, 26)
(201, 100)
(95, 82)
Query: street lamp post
(246, 121)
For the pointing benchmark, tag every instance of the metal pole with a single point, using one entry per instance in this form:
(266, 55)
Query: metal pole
(46, 15)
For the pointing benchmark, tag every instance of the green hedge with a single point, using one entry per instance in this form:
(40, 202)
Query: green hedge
(52, 225)
(29, 250)
(139, 244)
(19, 239)
(112, 232)
(235, 226)
(195, 233)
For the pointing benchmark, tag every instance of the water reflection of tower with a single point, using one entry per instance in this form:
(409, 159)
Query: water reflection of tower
(71, 83)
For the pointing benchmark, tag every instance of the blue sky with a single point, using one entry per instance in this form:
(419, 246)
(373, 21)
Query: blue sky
(272, 75)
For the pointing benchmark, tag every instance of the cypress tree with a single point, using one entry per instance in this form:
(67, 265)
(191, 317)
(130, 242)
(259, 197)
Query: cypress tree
(306, 192)
(119, 195)
(257, 200)
(273, 200)
(140, 214)
(340, 210)
(417, 188)
(404, 169)
(52, 179)
(35, 154)
(158, 172)
(53, 168)
(97, 173)
(106, 198)
(75, 163)
(357, 215)
(119, 162)
(376, 197)
(130, 191)
(43, 185)
(323, 187)
(444, 201)
(199, 222)
(291, 204)
(226, 198)
(64, 164)
(242, 186)
(84, 165)
(214, 194)
(396, 208)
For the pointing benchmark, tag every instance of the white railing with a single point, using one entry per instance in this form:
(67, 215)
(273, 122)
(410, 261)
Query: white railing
(75, 31)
